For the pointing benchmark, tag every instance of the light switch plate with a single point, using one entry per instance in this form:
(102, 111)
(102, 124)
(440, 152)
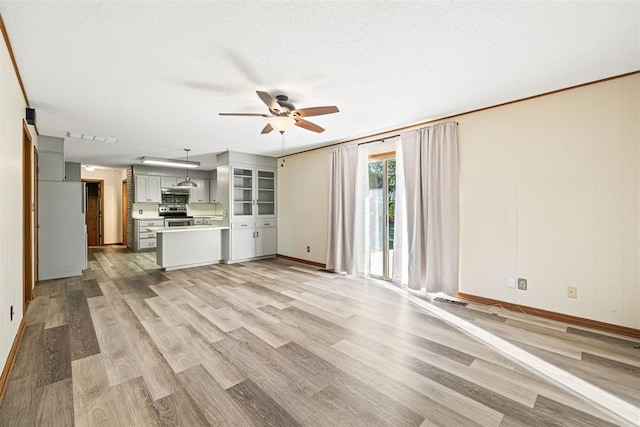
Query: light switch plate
(511, 282)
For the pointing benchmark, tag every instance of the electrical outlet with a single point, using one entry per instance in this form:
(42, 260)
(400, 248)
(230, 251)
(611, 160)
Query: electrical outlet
(511, 282)
(522, 284)
(572, 292)
(308, 248)
(140, 212)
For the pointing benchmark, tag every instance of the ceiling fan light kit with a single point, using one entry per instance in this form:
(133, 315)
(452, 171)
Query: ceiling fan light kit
(282, 123)
(187, 183)
(284, 114)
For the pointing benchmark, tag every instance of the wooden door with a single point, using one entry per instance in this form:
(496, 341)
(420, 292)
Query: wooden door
(93, 214)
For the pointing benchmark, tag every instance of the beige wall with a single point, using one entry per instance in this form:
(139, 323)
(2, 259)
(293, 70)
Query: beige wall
(12, 113)
(112, 201)
(302, 189)
(549, 191)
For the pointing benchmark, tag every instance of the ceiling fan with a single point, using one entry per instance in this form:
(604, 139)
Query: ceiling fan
(284, 114)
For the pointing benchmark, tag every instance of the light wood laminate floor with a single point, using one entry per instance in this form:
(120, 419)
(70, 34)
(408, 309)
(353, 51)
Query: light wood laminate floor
(276, 343)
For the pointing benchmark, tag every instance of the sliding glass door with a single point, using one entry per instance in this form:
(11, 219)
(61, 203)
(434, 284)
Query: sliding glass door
(382, 191)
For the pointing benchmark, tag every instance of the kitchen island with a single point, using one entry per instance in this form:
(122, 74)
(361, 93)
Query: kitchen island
(185, 247)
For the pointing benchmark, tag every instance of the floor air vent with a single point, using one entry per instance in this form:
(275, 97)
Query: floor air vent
(440, 299)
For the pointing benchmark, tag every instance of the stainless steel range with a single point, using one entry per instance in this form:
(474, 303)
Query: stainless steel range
(175, 215)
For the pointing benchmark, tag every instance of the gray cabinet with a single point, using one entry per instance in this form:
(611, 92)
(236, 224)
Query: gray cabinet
(144, 239)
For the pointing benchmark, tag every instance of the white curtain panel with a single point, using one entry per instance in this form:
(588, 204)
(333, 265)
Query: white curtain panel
(341, 247)
(430, 164)
(362, 266)
(400, 260)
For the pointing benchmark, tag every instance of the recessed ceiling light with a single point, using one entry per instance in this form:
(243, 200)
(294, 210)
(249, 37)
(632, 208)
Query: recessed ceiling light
(87, 137)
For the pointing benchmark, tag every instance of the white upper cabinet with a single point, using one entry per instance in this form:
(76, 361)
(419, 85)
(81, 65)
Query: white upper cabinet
(147, 189)
(252, 192)
(168, 181)
(199, 194)
(241, 192)
(266, 197)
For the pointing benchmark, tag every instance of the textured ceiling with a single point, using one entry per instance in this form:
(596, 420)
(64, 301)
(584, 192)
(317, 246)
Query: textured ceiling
(155, 74)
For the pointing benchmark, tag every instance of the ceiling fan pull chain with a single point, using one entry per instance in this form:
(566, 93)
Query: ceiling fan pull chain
(282, 149)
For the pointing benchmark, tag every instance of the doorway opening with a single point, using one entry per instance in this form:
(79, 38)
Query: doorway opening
(93, 216)
(382, 198)
(28, 208)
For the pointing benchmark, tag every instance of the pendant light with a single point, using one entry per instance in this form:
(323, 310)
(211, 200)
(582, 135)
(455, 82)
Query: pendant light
(187, 183)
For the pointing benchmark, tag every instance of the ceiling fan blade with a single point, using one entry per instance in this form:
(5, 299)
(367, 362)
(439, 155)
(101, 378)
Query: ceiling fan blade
(244, 114)
(271, 102)
(309, 126)
(267, 128)
(315, 111)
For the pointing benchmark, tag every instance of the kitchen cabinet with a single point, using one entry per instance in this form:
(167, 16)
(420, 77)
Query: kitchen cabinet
(242, 241)
(202, 220)
(213, 191)
(143, 239)
(199, 194)
(168, 181)
(251, 239)
(147, 189)
(266, 239)
(253, 193)
(246, 188)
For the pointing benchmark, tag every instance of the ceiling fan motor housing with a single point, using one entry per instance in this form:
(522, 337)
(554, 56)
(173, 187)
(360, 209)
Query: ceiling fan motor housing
(287, 106)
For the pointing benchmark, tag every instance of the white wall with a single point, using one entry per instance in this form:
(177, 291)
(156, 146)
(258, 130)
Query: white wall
(549, 191)
(12, 113)
(112, 201)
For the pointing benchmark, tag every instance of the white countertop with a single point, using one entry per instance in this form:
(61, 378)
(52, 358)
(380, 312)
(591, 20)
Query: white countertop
(186, 228)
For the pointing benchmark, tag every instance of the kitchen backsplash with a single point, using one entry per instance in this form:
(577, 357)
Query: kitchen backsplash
(144, 210)
(150, 210)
